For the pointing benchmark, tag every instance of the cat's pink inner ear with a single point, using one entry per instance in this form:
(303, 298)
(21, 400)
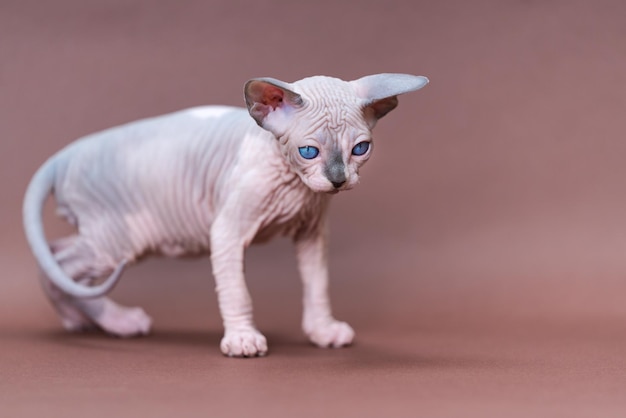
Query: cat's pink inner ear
(262, 98)
(271, 96)
(266, 95)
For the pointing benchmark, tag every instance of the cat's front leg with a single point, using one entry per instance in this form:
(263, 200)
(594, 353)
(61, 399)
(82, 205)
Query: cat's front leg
(318, 322)
(241, 338)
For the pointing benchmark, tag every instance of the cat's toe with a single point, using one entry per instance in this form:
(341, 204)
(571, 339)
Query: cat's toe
(243, 343)
(332, 334)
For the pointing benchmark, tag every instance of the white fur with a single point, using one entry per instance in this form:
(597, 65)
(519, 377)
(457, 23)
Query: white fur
(208, 180)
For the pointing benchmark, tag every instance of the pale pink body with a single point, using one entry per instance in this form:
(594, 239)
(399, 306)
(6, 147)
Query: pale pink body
(208, 180)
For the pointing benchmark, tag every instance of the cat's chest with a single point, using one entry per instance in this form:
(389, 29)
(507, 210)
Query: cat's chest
(290, 209)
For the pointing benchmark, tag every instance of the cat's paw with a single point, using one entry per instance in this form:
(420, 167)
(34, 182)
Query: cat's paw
(243, 343)
(331, 334)
(124, 322)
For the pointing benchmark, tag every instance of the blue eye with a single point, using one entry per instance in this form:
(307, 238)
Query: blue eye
(361, 148)
(309, 152)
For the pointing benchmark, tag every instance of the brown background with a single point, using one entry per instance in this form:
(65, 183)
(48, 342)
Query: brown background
(481, 261)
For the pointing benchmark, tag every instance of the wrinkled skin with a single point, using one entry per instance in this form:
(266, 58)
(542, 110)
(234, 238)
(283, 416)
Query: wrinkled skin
(209, 180)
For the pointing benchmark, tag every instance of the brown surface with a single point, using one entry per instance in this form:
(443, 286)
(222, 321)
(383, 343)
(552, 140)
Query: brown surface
(481, 261)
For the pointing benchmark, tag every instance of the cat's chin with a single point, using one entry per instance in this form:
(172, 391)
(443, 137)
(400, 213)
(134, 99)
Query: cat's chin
(326, 191)
(327, 188)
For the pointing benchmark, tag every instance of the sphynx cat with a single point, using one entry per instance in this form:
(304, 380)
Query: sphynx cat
(209, 180)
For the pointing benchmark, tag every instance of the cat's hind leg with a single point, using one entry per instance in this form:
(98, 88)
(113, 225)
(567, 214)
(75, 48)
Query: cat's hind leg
(115, 319)
(79, 261)
(72, 318)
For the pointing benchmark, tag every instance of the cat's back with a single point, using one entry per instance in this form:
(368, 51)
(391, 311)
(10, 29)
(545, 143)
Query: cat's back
(200, 134)
(213, 125)
(151, 160)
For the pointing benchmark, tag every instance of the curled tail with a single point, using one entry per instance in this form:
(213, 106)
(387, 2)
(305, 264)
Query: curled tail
(38, 190)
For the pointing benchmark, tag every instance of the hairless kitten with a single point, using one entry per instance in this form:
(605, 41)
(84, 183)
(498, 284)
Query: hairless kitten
(209, 180)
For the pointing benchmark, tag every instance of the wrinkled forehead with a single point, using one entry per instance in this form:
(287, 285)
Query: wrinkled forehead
(331, 105)
(328, 92)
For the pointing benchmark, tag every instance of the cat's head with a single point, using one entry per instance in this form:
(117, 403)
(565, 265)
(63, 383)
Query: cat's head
(324, 124)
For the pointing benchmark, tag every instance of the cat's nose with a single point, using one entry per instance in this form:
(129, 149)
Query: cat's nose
(338, 184)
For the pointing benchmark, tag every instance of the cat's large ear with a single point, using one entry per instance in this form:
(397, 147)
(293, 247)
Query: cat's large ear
(379, 92)
(271, 102)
